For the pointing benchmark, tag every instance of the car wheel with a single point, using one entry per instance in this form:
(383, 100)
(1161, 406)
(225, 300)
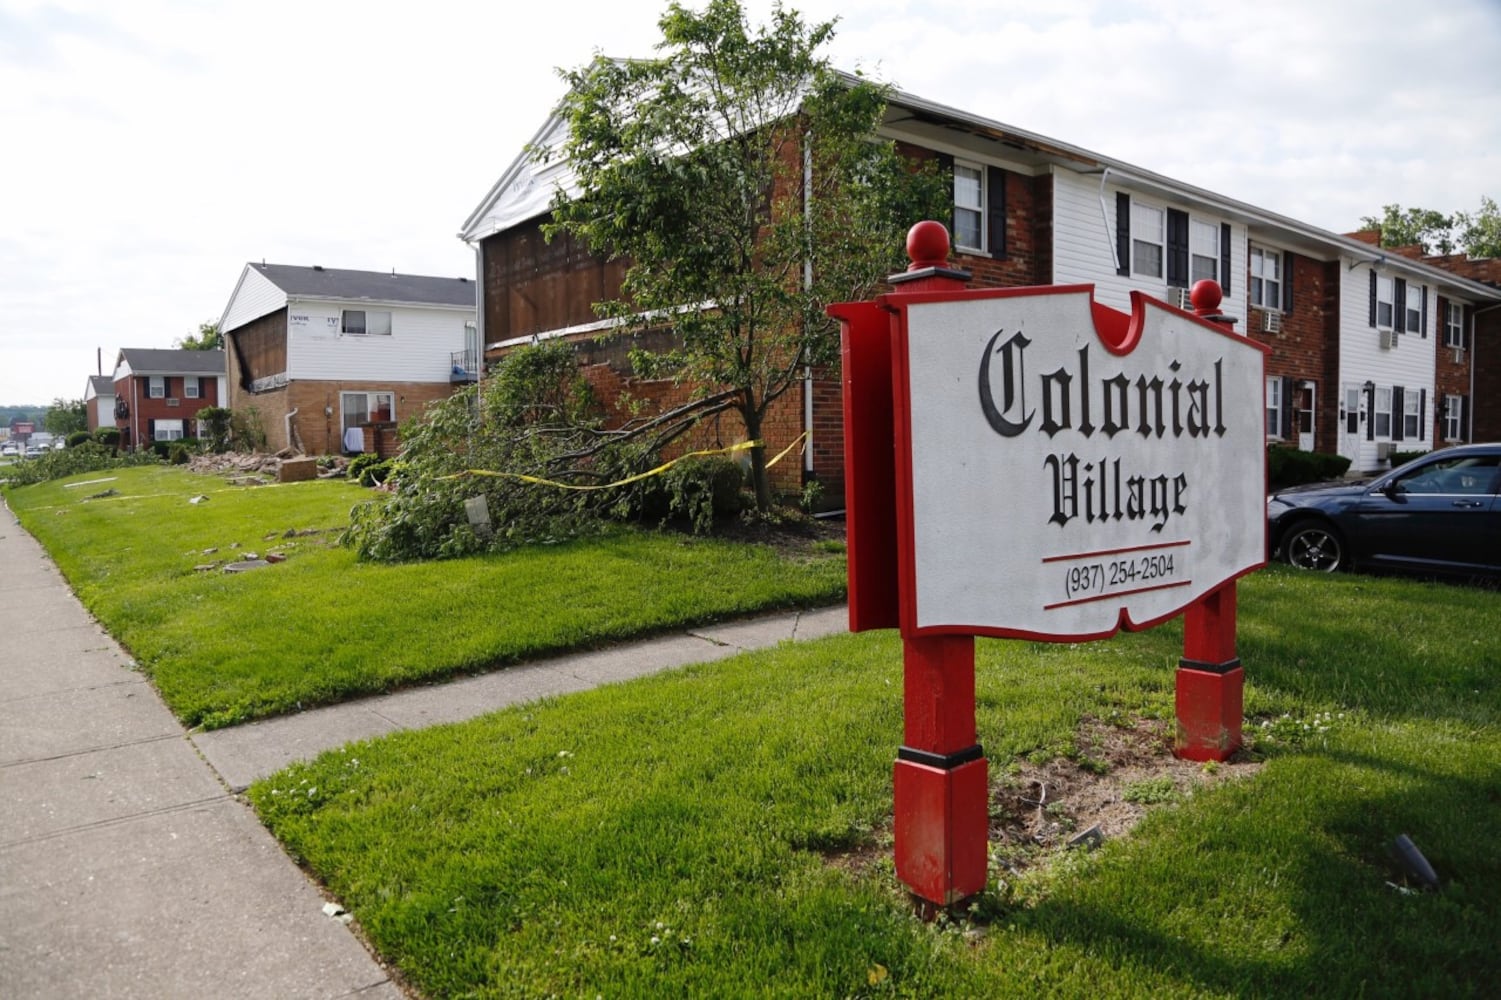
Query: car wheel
(1316, 547)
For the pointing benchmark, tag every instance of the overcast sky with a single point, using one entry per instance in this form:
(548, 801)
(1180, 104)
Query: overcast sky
(149, 149)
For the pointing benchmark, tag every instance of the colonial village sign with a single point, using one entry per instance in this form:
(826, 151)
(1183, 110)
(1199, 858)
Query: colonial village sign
(1029, 463)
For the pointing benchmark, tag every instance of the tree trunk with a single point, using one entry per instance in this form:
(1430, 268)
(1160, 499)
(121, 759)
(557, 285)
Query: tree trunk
(759, 479)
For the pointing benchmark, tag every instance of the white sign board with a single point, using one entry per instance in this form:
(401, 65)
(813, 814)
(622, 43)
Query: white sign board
(1056, 481)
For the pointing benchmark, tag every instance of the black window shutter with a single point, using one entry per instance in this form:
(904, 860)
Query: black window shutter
(946, 168)
(1287, 281)
(1397, 412)
(1370, 414)
(1289, 432)
(1122, 233)
(995, 204)
(1373, 300)
(1422, 413)
(1225, 258)
(1423, 320)
(1464, 418)
(1177, 248)
(1399, 307)
(1464, 326)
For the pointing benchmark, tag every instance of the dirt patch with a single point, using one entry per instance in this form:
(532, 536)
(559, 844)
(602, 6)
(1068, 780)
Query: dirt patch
(1118, 774)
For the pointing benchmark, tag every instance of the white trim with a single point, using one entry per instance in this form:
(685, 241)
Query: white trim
(595, 327)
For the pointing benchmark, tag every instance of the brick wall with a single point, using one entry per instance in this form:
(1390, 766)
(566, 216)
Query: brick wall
(1307, 346)
(136, 427)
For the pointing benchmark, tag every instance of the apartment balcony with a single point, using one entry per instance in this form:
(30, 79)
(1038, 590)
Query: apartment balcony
(463, 366)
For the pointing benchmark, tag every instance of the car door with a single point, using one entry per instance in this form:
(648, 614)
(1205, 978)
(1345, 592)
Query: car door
(1442, 515)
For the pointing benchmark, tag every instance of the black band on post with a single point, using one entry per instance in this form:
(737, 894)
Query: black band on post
(1210, 668)
(943, 761)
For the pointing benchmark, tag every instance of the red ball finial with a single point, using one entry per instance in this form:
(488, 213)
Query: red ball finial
(1206, 297)
(927, 245)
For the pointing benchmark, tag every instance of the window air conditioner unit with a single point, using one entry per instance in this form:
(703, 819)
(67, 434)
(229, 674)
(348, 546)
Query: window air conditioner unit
(1271, 322)
(1178, 298)
(1383, 450)
(1388, 340)
(1459, 355)
(173, 401)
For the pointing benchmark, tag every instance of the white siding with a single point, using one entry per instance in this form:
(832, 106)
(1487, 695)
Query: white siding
(418, 349)
(104, 410)
(1410, 363)
(253, 297)
(1084, 238)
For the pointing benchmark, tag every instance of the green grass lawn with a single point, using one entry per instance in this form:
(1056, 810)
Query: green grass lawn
(695, 833)
(224, 648)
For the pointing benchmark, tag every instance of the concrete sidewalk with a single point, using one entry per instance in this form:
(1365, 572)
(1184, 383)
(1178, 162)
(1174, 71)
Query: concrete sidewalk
(128, 868)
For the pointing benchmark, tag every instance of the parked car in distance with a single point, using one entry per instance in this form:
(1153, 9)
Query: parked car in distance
(10, 449)
(1439, 513)
(33, 451)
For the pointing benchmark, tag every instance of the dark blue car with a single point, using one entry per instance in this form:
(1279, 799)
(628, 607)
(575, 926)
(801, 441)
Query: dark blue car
(1437, 514)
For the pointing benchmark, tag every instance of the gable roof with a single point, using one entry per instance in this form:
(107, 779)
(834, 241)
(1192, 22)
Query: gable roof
(376, 286)
(149, 361)
(101, 385)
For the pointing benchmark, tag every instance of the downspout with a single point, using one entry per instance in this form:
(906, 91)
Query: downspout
(1110, 240)
(135, 413)
(288, 420)
(807, 287)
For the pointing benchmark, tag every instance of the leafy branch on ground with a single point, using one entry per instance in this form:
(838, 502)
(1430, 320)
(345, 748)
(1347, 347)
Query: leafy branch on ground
(523, 458)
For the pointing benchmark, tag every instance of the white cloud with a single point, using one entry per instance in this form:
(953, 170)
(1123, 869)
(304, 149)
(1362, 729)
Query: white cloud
(153, 148)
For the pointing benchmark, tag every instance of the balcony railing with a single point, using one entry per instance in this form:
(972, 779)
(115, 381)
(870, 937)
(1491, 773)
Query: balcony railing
(463, 366)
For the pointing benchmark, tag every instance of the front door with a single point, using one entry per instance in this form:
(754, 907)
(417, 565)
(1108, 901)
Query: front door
(1352, 419)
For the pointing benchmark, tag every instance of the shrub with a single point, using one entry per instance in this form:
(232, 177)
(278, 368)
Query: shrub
(108, 436)
(369, 469)
(699, 490)
(245, 430)
(79, 437)
(164, 449)
(1290, 467)
(90, 456)
(1403, 457)
(217, 421)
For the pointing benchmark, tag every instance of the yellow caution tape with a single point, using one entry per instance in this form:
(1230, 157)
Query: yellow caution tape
(539, 481)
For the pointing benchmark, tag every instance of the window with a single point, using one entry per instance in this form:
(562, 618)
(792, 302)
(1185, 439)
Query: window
(1203, 251)
(1385, 302)
(1146, 240)
(157, 388)
(1414, 300)
(1274, 426)
(1412, 420)
(367, 407)
(969, 206)
(1266, 278)
(1454, 325)
(1383, 416)
(365, 321)
(166, 430)
(190, 386)
(1454, 409)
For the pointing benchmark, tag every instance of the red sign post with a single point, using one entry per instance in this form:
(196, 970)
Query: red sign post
(1028, 463)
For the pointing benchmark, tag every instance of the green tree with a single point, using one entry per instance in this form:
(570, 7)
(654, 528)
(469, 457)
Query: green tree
(1433, 231)
(737, 173)
(1480, 232)
(65, 416)
(208, 338)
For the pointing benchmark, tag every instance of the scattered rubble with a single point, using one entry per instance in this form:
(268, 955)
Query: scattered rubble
(259, 469)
